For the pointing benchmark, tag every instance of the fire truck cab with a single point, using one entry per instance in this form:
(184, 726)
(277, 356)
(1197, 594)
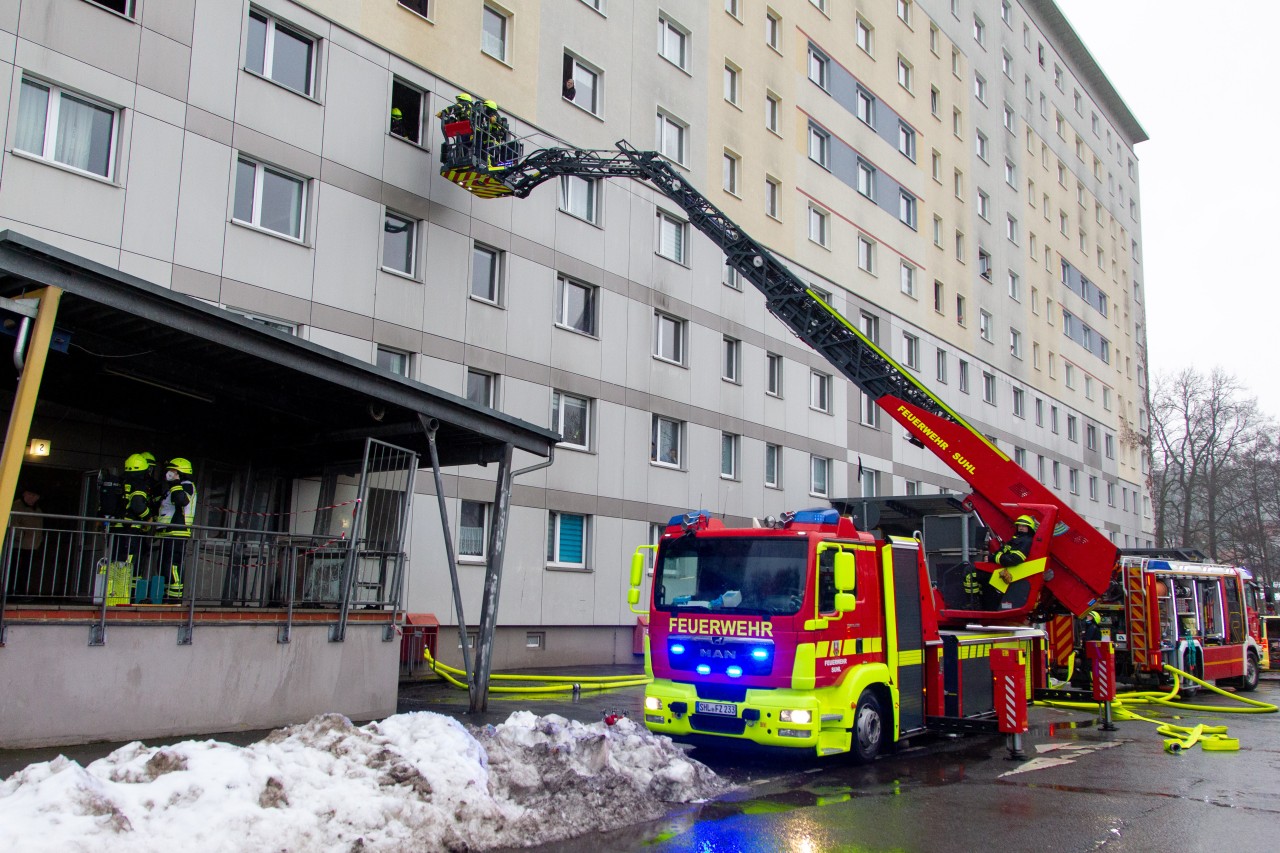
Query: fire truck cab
(809, 634)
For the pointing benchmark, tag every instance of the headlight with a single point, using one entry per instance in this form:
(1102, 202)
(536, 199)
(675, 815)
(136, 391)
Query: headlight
(795, 716)
(652, 703)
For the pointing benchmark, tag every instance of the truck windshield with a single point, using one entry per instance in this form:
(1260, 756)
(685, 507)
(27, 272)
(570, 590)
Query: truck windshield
(762, 576)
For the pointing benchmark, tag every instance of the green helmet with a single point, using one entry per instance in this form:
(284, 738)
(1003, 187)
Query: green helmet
(179, 464)
(1028, 521)
(136, 462)
(396, 114)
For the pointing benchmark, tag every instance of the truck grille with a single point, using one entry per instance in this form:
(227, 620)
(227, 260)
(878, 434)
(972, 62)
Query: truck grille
(718, 725)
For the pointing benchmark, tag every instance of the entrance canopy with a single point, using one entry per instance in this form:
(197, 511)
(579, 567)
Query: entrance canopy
(138, 358)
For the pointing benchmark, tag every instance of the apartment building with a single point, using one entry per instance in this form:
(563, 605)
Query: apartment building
(959, 177)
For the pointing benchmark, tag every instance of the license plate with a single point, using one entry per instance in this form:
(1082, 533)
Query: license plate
(724, 709)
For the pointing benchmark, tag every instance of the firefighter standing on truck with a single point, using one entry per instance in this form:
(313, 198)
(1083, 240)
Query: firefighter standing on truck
(176, 515)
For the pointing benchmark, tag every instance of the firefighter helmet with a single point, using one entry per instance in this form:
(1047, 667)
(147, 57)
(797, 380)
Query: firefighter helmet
(179, 464)
(136, 462)
(1027, 521)
(463, 97)
(150, 457)
(396, 114)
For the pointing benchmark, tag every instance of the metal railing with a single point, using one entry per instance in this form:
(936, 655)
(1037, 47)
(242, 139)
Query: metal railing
(59, 560)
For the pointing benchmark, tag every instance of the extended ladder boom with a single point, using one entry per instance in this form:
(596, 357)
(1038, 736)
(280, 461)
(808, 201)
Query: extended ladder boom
(1081, 558)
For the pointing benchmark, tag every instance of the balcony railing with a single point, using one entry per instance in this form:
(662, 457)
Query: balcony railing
(61, 560)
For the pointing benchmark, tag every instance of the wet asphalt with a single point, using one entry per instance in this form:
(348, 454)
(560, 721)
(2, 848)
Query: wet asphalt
(1081, 788)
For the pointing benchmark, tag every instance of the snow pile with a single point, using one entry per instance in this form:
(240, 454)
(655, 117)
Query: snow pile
(413, 781)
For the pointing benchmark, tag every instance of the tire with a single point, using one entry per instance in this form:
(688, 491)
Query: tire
(1249, 681)
(869, 729)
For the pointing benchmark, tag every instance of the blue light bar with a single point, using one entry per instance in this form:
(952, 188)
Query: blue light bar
(677, 648)
(759, 654)
(817, 516)
(734, 671)
(703, 669)
(689, 517)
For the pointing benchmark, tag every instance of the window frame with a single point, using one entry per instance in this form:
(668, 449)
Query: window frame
(667, 121)
(255, 221)
(773, 480)
(272, 25)
(666, 27)
(680, 251)
(412, 251)
(656, 433)
(490, 386)
(731, 360)
(488, 12)
(558, 410)
(565, 286)
(555, 526)
(820, 389)
(773, 371)
(485, 518)
(494, 278)
(567, 198)
(53, 98)
(732, 443)
(677, 334)
(817, 463)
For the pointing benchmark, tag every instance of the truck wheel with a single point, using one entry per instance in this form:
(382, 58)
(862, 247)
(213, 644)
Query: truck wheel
(868, 729)
(1249, 681)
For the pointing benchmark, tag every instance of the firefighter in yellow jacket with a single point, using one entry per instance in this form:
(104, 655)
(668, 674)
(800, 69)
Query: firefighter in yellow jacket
(175, 517)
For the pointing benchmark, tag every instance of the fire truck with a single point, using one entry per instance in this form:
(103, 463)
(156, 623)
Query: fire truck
(807, 632)
(1198, 617)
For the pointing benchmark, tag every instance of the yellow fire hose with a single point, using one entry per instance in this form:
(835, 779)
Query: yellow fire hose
(1178, 738)
(545, 683)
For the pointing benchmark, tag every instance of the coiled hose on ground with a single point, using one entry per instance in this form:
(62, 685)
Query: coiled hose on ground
(542, 683)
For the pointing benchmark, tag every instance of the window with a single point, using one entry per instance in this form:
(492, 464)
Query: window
(586, 89)
(866, 254)
(1015, 286)
(65, 128)
(578, 197)
(729, 276)
(393, 360)
(672, 42)
(964, 377)
(481, 387)
(906, 74)
(1011, 174)
(1073, 428)
(982, 146)
(1020, 456)
(773, 465)
(1111, 494)
(871, 327)
(907, 208)
(473, 518)
(567, 539)
(671, 237)
(1057, 474)
(1006, 12)
(1019, 403)
(729, 455)
(668, 338)
(980, 87)
(939, 295)
(1073, 480)
(819, 145)
(818, 469)
(1053, 419)
(279, 52)
(941, 365)
(571, 417)
(870, 411)
(269, 198)
(772, 29)
(908, 279)
(1008, 119)
(399, 243)
(1091, 436)
(984, 324)
(1040, 468)
(864, 35)
(731, 167)
(961, 319)
(818, 220)
(1006, 64)
(575, 306)
(984, 206)
(1015, 343)
(979, 30)
(934, 97)
(1011, 228)
(984, 264)
(731, 75)
(666, 441)
(771, 106)
(866, 179)
(957, 122)
(422, 7)
(819, 391)
(772, 189)
(904, 11)
(733, 7)
(406, 111)
(907, 141)
(730, 368)
(486, 273)
(1039, 412)
(494, 36)
(869, 481)
(937, 231)
(1109, 445)
(773, 374)
(988, 387)
(818, 63)
(866, 107)
(671, 134)
(933, 39)
(123, 7)
(911, 351)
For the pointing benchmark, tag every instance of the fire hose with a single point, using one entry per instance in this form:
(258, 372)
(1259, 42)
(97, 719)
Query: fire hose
(543, 683)
(1178, 738)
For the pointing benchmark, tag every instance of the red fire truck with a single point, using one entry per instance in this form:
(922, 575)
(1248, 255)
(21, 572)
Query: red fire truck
(1198, 617)
(810, 633)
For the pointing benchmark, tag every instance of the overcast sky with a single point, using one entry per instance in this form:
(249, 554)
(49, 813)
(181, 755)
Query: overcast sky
(1199, 82)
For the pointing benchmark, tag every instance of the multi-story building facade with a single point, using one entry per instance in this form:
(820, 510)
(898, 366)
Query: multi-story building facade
(959, 177)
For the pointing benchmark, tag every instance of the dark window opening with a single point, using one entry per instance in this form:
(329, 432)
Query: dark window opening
(420, 6)
(406, 111)
(124, 7)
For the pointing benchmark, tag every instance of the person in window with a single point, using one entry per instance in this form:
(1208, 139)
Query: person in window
(397, 121)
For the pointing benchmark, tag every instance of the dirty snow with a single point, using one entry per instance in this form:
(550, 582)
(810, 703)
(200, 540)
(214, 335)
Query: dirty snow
(417, 781)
